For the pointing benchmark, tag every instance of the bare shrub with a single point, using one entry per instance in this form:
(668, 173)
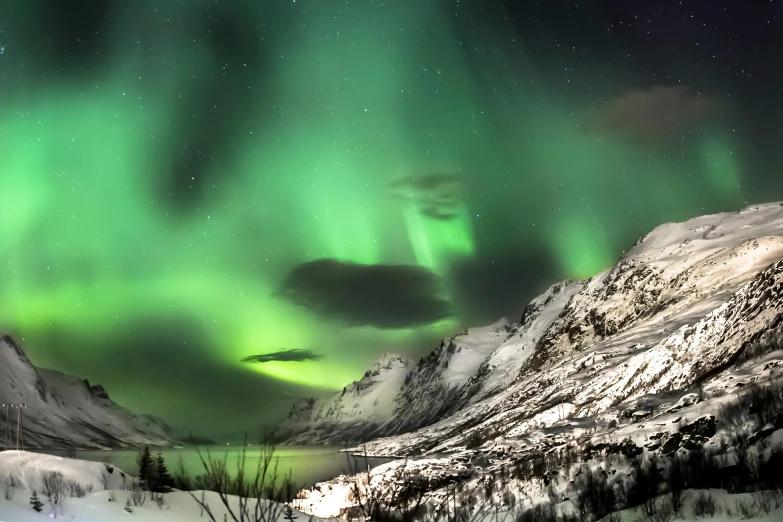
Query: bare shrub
(399, 497)
(54, 487)
(763, 403)
(768, 470)
(182, 480)
(474, 440)
(8, 489)
(105, 480)
(663, 511)
(676, 483)
(75, 489)
(704, 505)
(543, 512)
(696, 469)
(14, 481)
(646, 480)
(138, 495)
(596, 496)
(770, 500)
(769, 342)
(745, 508)
(254, 492)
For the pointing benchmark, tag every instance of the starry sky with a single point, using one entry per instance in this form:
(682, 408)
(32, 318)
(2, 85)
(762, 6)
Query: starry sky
(216, 207)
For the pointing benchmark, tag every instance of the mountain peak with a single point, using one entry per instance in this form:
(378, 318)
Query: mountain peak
(390, 360)
(9, 341)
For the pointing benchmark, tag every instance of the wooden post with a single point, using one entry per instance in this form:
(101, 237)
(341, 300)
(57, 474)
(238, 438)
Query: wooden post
(18, 424)
(7, 424)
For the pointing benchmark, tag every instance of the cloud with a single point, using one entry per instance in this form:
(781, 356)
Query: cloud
(438, 194)
(293, 355)
(384, 296)
(438, 213)
(433, 182)
(655, 112)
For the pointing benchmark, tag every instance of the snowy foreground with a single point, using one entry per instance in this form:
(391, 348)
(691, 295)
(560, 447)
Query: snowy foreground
(26, 470)
(106, 498)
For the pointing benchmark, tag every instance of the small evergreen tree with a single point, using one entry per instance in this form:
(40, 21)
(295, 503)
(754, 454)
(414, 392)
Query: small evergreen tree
(36, 502)
(146, 467)
(163, 481)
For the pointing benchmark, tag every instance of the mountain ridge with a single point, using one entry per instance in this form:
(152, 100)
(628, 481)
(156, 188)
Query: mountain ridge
(63, 411)
(679, 278)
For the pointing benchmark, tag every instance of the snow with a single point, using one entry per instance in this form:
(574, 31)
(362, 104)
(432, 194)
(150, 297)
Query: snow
(472, 348)
(363, 404)
(726, 508)
(507, 360)
(100, 505)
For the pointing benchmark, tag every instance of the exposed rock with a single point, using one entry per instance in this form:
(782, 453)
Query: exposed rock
(704, 427)
(671, 443)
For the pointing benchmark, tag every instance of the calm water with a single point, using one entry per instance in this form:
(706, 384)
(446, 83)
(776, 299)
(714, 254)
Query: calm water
(307, 464)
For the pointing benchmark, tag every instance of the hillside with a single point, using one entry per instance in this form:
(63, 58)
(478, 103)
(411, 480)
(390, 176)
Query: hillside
(64, 411)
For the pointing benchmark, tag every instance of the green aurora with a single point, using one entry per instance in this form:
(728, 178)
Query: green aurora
(335, 132)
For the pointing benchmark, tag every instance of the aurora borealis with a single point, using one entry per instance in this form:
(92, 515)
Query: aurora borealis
(188, 187)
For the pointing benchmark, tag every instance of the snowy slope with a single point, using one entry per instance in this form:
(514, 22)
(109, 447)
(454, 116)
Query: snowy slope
(386, 398)
(353, 414)
(679, 306)
(65, 411)
(502, 366)
(22, 472)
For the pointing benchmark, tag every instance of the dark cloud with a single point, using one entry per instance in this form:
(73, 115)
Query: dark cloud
(433, 182)
(293, 355)
(384, 296)
(438, 213)
(438, 195)
(656, 112)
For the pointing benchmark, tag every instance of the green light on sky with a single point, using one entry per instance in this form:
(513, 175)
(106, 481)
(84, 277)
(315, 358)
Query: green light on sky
(350, 102)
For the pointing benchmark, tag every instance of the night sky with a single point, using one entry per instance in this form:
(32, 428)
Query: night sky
(214, 207)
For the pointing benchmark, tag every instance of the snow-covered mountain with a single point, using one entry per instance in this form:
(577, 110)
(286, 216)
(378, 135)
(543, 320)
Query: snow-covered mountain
(678, 308)
(353, 414)
(65, 411)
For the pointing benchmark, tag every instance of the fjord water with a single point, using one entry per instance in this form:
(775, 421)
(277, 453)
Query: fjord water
(307, 464)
